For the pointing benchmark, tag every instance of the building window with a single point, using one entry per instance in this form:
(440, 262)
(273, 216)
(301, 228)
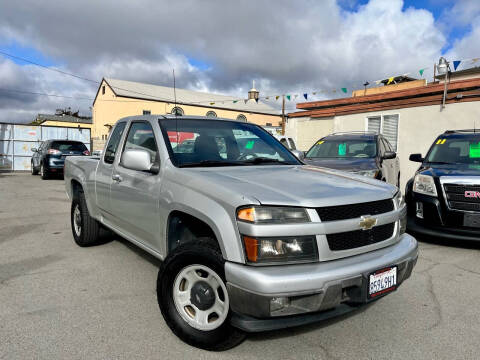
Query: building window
(386, 125)
(146, 112)
(178, 111)
(211, 114)
(103, 90)
(268, 124)
(242, 117)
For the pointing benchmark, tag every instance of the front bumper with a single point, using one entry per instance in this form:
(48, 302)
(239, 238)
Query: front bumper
(442, 232)
(311, 289)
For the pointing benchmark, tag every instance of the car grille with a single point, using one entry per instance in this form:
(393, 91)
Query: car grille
(358, 238)
(456, 197)
(353, 211)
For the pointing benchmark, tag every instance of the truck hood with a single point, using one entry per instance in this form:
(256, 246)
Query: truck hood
(296, 185)
(344, 164)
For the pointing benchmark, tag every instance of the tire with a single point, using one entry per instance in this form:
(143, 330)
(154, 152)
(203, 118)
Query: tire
(205, 255)
(44, 173)
(33, 170)
(85, 229)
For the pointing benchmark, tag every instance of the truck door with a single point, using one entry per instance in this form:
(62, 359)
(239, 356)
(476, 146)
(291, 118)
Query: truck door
(135, 194)
(103, 179)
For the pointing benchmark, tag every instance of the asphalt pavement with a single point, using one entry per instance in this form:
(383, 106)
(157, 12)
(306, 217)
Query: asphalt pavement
(60, 301)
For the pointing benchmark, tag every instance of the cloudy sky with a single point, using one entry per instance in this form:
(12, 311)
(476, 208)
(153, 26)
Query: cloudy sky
(222, 45)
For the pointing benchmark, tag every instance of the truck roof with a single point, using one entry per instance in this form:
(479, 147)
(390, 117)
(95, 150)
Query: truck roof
(173, 117)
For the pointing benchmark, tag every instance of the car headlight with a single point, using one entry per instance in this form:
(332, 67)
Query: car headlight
(368, 173)
(272, 215)
(296, 249)
(424, 184)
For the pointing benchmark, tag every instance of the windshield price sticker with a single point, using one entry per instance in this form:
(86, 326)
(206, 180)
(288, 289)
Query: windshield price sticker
(342, 149)
(320, 142)
(441, 141)
(474, 151)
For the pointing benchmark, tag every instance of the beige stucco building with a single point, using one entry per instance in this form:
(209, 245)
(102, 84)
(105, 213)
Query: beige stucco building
(116, 99)
(411, 118)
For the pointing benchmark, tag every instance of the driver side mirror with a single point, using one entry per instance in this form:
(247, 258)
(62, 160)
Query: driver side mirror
(299, 154)
(138, 160)
(389, 155)
(416, 158)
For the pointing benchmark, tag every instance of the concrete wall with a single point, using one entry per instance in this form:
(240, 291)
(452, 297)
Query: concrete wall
(417, 128)
(108, 108)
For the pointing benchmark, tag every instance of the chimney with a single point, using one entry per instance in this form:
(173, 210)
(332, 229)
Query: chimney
(253, 93)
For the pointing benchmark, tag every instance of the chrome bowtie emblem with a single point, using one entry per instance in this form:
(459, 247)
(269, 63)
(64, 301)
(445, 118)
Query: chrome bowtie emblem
(367, 222)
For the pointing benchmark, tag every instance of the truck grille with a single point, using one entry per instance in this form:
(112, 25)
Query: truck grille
(358, 238)
(456, 199)
(352, 211)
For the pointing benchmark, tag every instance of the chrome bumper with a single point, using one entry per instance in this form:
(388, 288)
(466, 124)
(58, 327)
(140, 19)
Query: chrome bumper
(317, 286)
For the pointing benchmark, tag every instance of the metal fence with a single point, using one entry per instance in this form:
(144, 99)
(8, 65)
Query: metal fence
(16, 142)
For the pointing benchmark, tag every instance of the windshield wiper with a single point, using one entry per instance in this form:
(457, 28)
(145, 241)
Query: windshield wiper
(209, 163)
(265, 160)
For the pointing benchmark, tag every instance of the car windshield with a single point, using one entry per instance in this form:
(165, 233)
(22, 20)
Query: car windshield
(202, 142)
(457, 149)
(68, 146)
(340, 148)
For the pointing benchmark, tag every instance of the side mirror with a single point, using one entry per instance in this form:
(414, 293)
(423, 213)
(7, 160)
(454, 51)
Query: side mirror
(389, 155)
(34, 149)
(416, 158)
(299, 154)
(136, 160)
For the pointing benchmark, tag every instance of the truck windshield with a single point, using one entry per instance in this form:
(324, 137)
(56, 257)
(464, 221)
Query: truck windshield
(339, 148)
(457, 149)
(202, 142)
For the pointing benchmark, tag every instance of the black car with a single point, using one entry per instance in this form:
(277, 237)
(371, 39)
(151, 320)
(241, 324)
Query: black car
(364, 153)
(443, 199)
(49, 158)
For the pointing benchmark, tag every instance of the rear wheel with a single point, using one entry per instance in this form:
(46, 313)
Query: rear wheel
(43, 172)
(85, 229)
(32, 169)
(193, 297)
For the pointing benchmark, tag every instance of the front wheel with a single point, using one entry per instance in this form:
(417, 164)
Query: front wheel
(85, 229)
(193, 297)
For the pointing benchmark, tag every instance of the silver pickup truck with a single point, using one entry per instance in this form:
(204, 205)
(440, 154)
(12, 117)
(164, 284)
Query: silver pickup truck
(251, 238)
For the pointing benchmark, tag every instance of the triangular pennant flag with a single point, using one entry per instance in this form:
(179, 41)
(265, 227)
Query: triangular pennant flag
(390, 79)
(288, 97)
(212, 103)
(235, 101)
(455, 64)
(314, 93)
(378, 82)
(344, 90)
(295, 96)
(267, 97)
(276, 97)
(475, 60)
(256, 100)
(245, 100)
(421, 72)
(305, 96)
(334, 90)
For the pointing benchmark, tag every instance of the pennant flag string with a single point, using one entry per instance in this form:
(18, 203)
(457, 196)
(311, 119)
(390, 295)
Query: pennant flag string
(305, 96)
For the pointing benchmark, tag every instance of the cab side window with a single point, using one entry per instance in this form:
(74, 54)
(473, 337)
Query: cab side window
(140, 137)
(112, 146)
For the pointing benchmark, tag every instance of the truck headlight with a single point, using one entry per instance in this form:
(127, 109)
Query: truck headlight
(424, 184)
(281, 249)
(272, 215)
(368, 173)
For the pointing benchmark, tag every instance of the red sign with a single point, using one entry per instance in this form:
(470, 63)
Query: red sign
(179, 137)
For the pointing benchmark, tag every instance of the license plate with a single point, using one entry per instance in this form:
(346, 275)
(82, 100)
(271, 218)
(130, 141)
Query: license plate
(471, 220)
(382, 281)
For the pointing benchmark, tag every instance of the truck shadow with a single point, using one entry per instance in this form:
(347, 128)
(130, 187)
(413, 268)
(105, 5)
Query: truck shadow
(473, 245)
(139, 251)
(279, 334)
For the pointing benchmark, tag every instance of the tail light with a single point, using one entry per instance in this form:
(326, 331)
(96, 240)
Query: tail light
(54, 152)
(86, 153)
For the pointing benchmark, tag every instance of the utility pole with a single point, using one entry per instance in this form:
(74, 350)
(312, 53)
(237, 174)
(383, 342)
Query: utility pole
(283, 114)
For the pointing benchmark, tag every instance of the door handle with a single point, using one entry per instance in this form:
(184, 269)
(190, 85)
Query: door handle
(116, 178)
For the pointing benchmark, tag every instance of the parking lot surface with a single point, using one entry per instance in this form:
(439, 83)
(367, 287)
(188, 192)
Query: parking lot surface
(59, 301)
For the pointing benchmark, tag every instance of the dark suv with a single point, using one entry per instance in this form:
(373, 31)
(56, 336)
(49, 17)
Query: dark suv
(443, 198)
(363, 153)
(49, 158)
